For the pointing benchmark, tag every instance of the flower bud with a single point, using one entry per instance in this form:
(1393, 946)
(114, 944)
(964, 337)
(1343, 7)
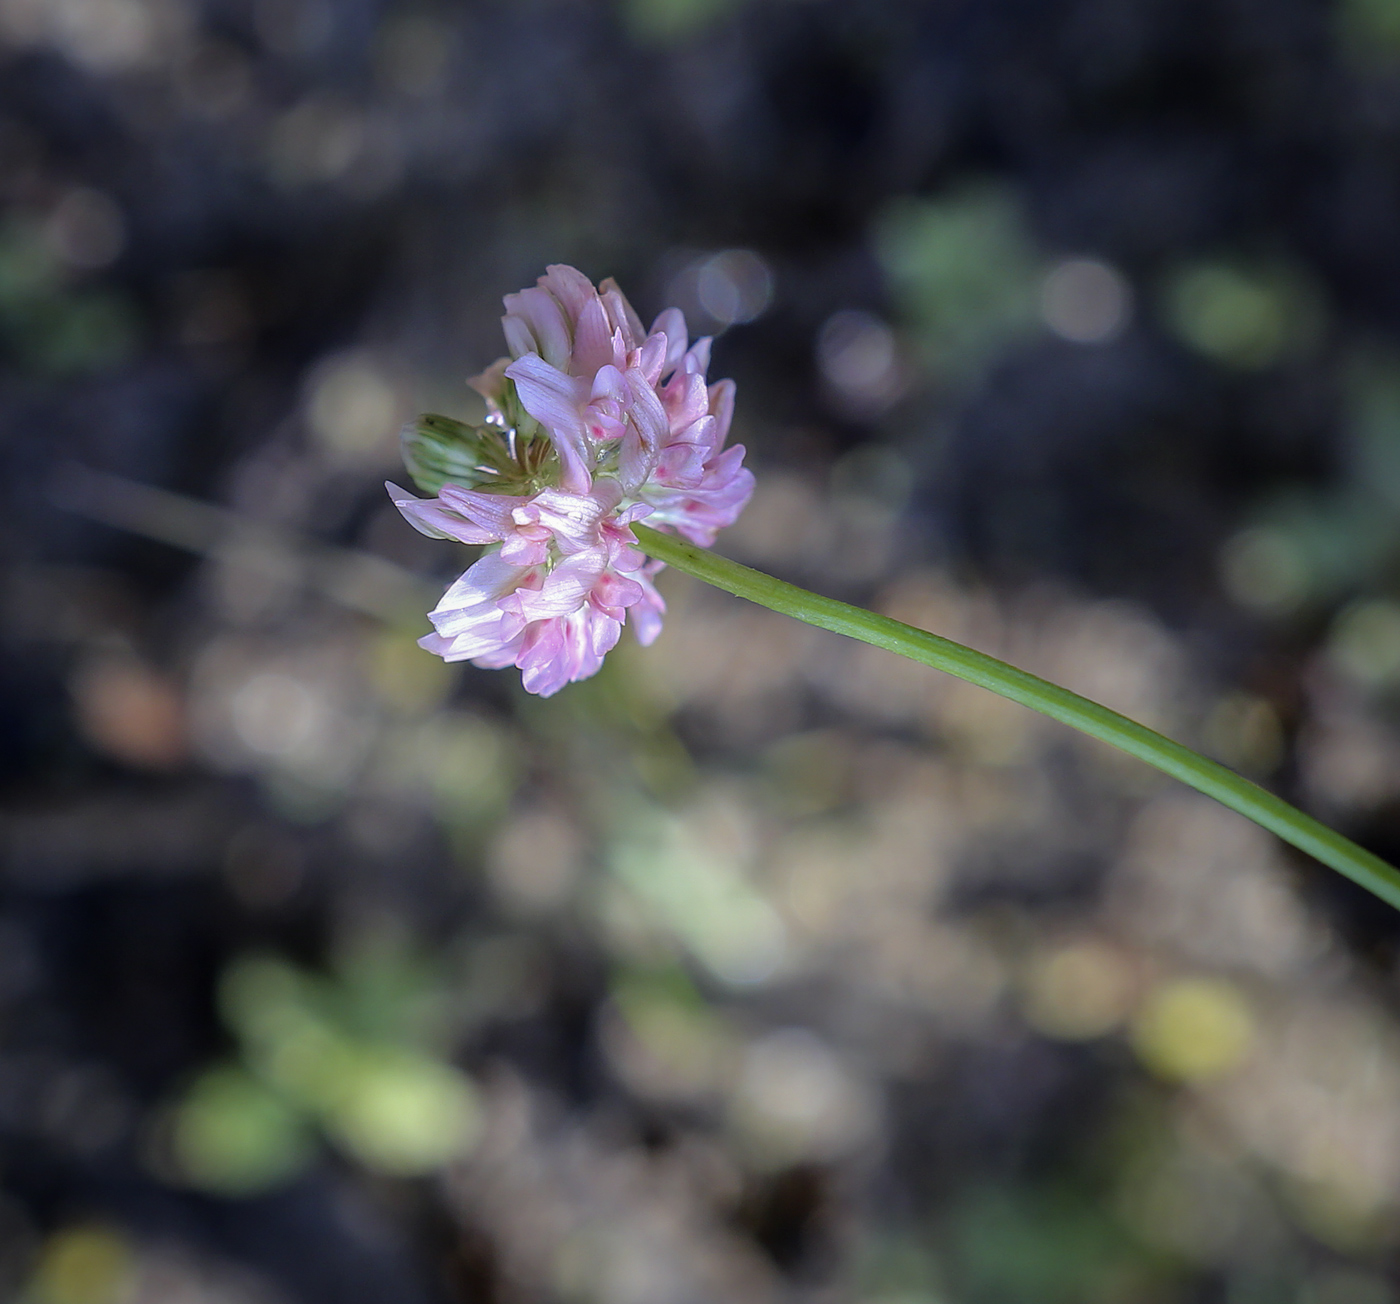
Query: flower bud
(439, 450)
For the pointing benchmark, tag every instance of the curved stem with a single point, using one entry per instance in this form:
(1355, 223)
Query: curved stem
(1206, 776)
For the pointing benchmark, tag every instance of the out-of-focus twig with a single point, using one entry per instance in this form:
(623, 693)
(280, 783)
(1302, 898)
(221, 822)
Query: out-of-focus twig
(358, 580)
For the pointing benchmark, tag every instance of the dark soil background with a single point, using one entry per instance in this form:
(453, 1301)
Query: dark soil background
(758, 968)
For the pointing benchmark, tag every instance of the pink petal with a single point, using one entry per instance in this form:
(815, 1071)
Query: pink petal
(505, 655)
(697, 360)
(722, 409)
(572, 518)
(431, 517)
(520, 340)
(475, 596)
(698, 512)
(491, 382)
(686, 400)
(593, 340)
(609, 383)
(491, 512)
(671, 323)
(607, 494)
(613, 591)
(565, 588)
(620, 313)
(543, 658)
(440, 646)
(570, 286)
(526, 548)
(469, 621)
(545, 317)
(484, 640)
(681, 465)
(646, 429)
(651, 358)
(632, 512)
(425, 516)
(646, 614)
(554, 400)
(602, 633)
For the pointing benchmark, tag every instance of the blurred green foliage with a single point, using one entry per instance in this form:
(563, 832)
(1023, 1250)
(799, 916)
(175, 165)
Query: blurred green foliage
(701, 894)
(666, 21)
(899, 1270)
(57, 330)
(1304, 547)
(964, 270)
(461, 765)
(1014, 1243)
(234, 1135)
(1241, 315)
(82, 1264)
(686, 1038)
(353, 1057)
(1369, 29)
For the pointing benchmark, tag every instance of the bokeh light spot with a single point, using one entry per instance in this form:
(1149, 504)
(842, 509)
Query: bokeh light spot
(795, 1098)
(1194, 1029)
(858, 356)
(1245, 732)
(734, 286)
(1086, 301)
(130, 712)
(276, 714)
(1365, 642)
(82, 1265)
(1262, 568)
(316, 141)
(353, 408)
(1079, 991)
(86, 229)
(723, 289)
(413, 53)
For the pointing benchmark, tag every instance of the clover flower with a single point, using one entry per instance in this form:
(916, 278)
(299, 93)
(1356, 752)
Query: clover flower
(593, 423)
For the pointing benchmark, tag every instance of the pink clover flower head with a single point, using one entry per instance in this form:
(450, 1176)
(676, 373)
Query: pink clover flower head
(593, 423)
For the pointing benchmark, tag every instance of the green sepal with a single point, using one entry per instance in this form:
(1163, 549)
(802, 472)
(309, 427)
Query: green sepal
(440, 450)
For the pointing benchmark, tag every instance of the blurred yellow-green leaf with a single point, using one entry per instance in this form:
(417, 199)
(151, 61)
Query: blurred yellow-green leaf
(233, 1135)
(1244, 316)
(402, 1114)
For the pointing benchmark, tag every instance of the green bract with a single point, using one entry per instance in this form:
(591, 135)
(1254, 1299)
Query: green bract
(493, 457)
(440, 450)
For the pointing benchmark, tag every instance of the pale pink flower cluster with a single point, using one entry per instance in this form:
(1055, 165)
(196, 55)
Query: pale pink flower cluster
(600, 424)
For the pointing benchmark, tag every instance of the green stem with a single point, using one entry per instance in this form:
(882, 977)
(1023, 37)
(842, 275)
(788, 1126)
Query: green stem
(1206, 776)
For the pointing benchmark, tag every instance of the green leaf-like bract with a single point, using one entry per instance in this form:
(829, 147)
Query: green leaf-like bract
(440, 450)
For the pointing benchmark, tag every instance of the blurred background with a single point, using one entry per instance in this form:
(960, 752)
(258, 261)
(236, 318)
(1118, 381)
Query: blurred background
(761, 967)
